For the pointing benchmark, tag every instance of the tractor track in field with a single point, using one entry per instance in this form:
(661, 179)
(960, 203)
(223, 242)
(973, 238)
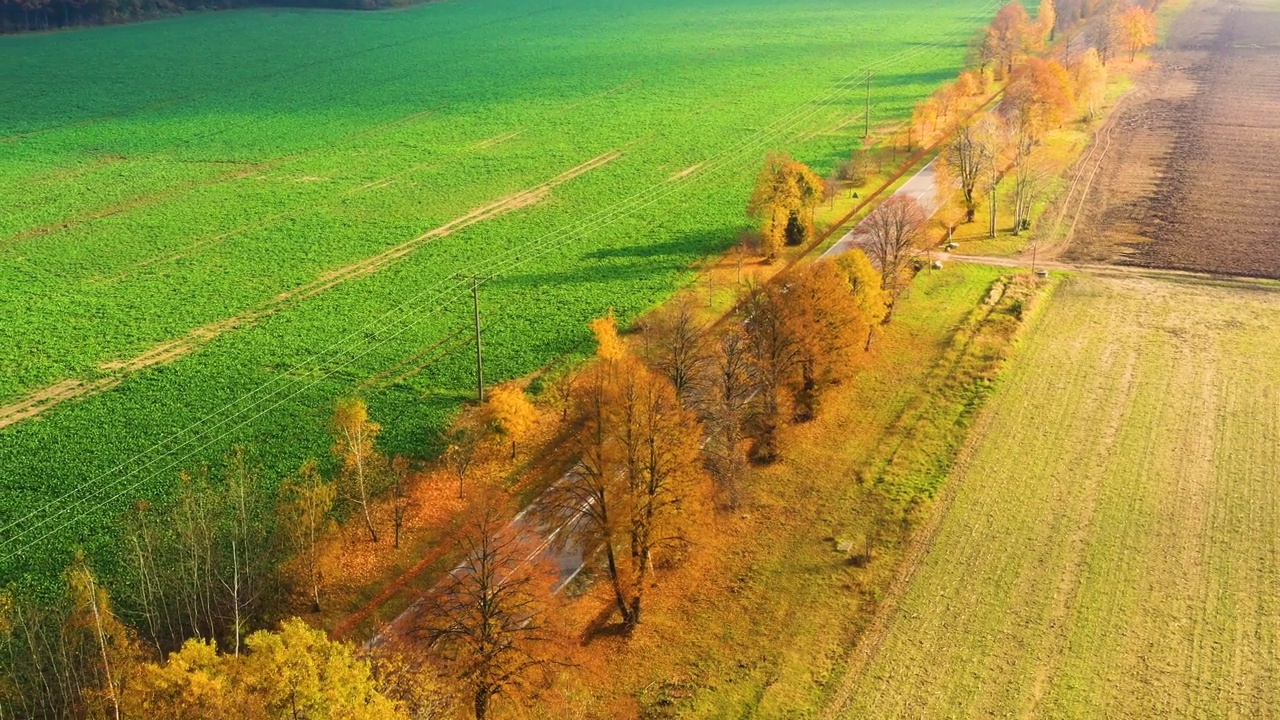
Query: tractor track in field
(243, 171)
(139, 201)
(44, 399)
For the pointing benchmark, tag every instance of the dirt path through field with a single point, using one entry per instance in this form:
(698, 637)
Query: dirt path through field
(46, 398)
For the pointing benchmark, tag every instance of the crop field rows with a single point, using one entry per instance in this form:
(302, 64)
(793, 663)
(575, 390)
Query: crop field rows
(230, 240)
(1113, 549)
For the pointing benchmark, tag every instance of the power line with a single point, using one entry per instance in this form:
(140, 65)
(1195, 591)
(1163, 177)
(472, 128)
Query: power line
(448, 287)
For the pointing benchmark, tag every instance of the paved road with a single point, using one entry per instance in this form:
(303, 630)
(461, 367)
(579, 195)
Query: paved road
(546, 526)
(921, 188)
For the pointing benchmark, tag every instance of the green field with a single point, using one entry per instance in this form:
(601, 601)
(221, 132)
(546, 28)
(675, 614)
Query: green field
(215, 225)
(1113, 547)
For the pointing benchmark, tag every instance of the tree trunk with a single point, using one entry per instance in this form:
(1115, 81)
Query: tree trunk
(618, 595)
(368, 520)
(992, 229)
(482, 703)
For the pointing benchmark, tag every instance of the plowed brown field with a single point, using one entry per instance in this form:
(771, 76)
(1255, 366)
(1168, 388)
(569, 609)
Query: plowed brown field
(1192, 181)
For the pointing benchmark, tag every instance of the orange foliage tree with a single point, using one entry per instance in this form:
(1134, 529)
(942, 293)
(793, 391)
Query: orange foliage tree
(1009, 35)
(639, 468)
(1039, 99)
(827, 319)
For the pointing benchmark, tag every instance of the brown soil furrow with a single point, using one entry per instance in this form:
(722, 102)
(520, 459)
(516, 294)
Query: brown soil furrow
(1194, 186)
(41, 400)
(685, 172)
(36, 403)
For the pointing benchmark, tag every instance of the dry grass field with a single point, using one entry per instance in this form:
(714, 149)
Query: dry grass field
(1113, 546)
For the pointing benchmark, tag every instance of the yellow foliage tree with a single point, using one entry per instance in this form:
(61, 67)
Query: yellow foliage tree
(93, 631)
(364, 469)
(295, 672)
(193, 684)
(864, 282)
(1047, 18)
(1139, 27)
(305, 512)
(608, 345)
(1091, 81)
(785, 197)
(300, 672)
(512, 413)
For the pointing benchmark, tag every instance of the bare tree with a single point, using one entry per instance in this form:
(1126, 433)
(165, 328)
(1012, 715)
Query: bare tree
(726, 395)
(462, 446)
(489, 622)
(1031, 177)
(399, 496)
(775, 354)
(679, 348)
(967, 156)
(893, 236)
(249, 540)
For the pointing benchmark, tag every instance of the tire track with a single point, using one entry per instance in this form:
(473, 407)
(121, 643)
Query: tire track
(47, 398)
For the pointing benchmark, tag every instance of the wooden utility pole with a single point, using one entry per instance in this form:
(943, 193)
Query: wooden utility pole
(475, 300)
(867, 132)
(995, 188)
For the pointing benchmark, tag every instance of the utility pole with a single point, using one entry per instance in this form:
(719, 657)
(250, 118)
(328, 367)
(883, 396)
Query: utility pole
(867, 132)
(994, 198)
(475, 300)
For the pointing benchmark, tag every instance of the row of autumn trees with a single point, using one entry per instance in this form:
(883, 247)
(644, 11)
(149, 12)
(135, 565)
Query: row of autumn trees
(668, 424)
(665, 427)
(1040, 95)
(221, 562)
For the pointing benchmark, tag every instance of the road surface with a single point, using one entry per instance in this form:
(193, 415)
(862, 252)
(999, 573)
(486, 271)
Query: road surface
(921, 188)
